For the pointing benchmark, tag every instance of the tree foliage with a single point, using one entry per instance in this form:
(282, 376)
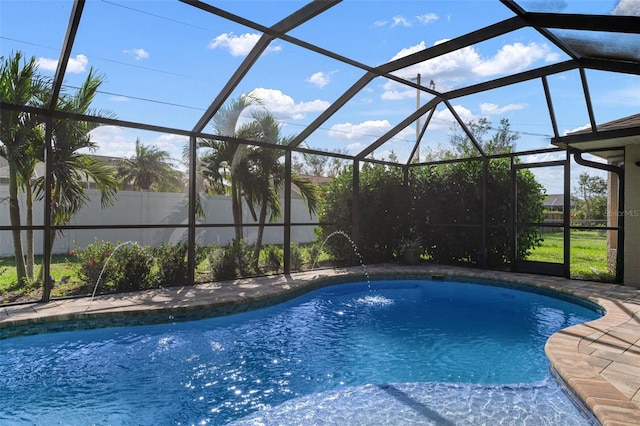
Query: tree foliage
(441, 203)
(382, 220)
(590, 199)
(318, 164)
(150, 169)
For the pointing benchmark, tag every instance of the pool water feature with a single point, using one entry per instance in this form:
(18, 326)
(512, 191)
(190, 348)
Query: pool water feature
(437, 351)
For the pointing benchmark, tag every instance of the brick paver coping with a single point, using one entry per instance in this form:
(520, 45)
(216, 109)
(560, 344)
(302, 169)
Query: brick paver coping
(598, 360)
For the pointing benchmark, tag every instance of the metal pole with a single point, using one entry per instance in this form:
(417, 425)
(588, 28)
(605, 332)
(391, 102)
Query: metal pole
(287, 212)
(191, 231)
(418, 120)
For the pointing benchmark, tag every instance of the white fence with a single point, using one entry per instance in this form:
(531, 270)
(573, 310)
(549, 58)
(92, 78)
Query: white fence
(152, 208)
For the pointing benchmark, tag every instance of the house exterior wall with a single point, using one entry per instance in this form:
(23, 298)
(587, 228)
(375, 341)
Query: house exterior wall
(144, 208)
(632, 217)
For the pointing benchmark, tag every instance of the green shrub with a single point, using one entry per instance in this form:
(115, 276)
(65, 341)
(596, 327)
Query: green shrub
(92, 259)
(297, 258)
(124, 267)
(314, 252)
(133, 268)
(171, 260)
(384, 215)
(274, 256)
(232, 261)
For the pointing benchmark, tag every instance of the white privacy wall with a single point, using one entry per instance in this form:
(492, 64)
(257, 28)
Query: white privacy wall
(150, 208)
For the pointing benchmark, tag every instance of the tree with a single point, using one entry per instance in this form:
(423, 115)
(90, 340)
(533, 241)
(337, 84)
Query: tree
(385, 212)
(441, 203)
(248, 172)
(20, 85)
(591, 198)
(319, 165)
(149, 169)
(219, 164)
(70, 168)
(461, 146)
(263, 174)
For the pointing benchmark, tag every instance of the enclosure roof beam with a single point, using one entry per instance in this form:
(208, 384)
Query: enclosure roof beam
(512, 79)
(67, 46)
(297, 18)
(625, 67)
(398, 128)
(602, 23)
(458, 43)
(465, 128)
(333, 108)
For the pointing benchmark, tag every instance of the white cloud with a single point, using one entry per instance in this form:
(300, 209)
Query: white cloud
(400, 21)
(467, 63)
(362, 131)
(239, 45)
(137, 53)
(113, 141)
(397, 94)
(512, 58)
(354, 148)
(493, 109)
(627, 7)
(444, 120)
(380, 23)
(75, 65)
(171, 143)
(427, 18)
(116, 141)
(576, 129)
(320, 78)
(284, 107)
(119, 98)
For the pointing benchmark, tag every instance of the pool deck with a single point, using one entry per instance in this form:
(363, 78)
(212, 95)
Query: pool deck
(598, 360)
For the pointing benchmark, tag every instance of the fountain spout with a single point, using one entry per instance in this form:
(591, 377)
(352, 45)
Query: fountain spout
(353, 246)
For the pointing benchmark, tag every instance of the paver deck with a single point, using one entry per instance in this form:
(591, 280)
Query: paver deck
(598, 360)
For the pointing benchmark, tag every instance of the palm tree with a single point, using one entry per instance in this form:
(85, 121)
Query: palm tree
(150, 168)
(263, 174)
(249, 172)
(218, 165)
(71, 169)
(21, 85)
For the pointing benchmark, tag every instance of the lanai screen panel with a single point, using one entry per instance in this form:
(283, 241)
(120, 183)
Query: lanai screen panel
(611, 90)
(295, 85)
(404, 27)
(32, 37)
(519, 109)
(151, 75)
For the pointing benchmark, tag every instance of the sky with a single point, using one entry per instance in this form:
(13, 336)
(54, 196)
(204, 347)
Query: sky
(163, 62)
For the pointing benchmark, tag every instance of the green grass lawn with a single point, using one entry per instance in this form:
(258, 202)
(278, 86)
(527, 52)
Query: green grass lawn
(588, 253)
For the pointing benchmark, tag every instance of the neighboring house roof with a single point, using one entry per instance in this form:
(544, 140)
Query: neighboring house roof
(318, 180)
(621, 123)
(555, 201)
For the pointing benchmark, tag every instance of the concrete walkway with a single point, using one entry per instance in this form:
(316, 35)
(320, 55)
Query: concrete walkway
(599, 360)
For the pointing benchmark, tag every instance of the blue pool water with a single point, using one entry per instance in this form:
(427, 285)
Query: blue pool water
(385, 352)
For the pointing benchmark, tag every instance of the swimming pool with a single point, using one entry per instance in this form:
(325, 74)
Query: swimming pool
(434, 351)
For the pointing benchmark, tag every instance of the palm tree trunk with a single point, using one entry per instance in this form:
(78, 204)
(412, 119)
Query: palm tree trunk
(14, 215)
(30, 249)
(47, 285)
(261, 222)
(236, 207)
